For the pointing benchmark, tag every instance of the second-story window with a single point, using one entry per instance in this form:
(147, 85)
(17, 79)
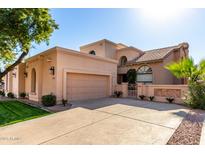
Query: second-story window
(92, 52)
(123, 61)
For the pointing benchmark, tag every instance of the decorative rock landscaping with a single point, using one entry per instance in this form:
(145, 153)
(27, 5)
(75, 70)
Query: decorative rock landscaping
(189, 131)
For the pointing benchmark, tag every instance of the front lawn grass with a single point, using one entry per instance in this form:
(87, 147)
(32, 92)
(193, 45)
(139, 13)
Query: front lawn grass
(14, 111)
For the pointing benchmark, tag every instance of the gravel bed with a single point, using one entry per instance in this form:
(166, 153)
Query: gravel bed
(189, 131)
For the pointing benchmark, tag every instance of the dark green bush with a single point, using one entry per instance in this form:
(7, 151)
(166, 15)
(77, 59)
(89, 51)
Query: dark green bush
(196, 95)
(22, 95)
(2, 93)
(49, 100)
(131, 76)
(10, 95)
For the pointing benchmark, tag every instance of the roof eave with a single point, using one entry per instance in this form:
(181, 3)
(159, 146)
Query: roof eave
(145, 62)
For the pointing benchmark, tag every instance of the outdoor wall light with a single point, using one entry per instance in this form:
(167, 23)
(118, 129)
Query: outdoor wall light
(25, 74)
(52, 70)
(14, 74)
(49, 60)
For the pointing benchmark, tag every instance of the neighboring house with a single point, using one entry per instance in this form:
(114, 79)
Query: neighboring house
(93, 72)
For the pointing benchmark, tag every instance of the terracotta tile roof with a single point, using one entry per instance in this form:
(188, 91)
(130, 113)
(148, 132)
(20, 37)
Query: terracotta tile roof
(155, 54)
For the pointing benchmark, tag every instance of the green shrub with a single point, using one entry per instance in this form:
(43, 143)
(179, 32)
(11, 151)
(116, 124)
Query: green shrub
(10, 95)
(22, 95)
(196, 95)
(2, 93)
(49, 100)
(131, 76)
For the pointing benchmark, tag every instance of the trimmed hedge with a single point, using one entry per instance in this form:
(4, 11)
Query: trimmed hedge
(22, 95)
(49, 100)
(10, 95)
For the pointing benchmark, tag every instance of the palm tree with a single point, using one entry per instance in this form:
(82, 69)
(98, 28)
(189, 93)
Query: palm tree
(194, 73)
(186, 68)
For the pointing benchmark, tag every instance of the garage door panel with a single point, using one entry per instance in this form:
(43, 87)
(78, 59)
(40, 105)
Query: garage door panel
(86, 86)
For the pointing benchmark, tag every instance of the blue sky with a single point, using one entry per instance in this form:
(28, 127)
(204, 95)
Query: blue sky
(142, 28)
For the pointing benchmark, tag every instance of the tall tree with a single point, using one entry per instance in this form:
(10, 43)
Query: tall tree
(20, 29)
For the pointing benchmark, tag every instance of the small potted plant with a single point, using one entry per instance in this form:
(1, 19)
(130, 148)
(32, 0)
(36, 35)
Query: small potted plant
(151, 98)
(118, 93)
(142, 97)
(170, 99)
(65, 102)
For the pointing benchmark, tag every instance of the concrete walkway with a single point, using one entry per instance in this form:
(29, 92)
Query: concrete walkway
(103, 121)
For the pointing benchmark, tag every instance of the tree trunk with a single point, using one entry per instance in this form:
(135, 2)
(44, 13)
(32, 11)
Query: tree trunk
(11, 67)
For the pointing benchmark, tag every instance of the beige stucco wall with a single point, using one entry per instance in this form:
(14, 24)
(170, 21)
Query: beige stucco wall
(21, 80)
(102, 48)
(15, 83)
(128, 52)
(72, 61)
(168, 75)
(160, 74)
(12, 82)
(8, 80)
(104, 62)
(110, 50)
(18, 80)
(98, 47)
(123, 87)
(148, 90)
(45, 82)
(63, 60)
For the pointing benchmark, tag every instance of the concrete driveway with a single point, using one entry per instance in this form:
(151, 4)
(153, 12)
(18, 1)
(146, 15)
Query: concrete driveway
(102, 121)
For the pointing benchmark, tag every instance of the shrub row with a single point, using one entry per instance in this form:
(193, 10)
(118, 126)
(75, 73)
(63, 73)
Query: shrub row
(11, 95)
(151, 98)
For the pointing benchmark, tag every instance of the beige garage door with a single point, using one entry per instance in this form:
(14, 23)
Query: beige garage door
(86, 86)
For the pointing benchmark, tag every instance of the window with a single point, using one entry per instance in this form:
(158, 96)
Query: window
(144, 74)
(123, 61)
(33, 80)
(92, 52)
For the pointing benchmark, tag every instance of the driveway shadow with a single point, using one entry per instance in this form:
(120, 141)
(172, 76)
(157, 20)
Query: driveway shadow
(182, 114)
(104, 102)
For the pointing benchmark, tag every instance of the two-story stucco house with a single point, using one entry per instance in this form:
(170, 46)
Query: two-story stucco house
(91, 72)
